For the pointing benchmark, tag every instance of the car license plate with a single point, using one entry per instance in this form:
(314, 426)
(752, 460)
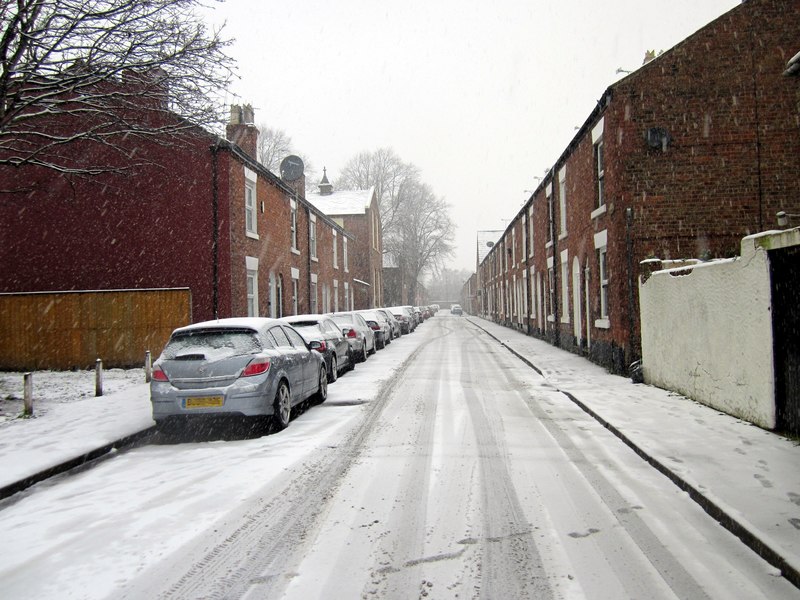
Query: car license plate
(204, 402)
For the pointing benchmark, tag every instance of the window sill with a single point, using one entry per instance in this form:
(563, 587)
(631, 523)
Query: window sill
(296, 251)
(602, 324)
(548, 245)
(565, 321)
(598, 211)
(252, 236)
(563, 236)
(314, 259)
(551, 319)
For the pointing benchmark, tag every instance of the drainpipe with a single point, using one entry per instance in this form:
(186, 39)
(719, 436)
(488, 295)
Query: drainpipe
(632, 350)
(215, 230)
(308, 234)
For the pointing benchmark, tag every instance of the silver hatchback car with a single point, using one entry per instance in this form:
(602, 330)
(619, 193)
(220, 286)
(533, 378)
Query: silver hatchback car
(249, 367)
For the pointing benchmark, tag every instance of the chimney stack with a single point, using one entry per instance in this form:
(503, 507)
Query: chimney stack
(242, 131)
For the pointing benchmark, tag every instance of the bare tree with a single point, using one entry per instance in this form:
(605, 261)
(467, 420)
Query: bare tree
(93, 72)
(423, 238)
(388, 174)
(273, 146)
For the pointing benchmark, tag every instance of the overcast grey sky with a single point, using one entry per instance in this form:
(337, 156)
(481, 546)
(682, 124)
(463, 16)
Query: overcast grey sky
(482, 96)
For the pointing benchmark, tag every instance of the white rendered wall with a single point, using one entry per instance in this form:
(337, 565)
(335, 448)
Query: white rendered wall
(707, 333)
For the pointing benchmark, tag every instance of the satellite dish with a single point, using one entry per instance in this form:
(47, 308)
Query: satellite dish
(489, 244)
(291, 168)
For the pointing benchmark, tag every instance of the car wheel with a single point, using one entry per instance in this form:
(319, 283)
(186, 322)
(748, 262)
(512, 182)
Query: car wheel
(322, 391)
(351, 359)
(334, 374)
(363, 353)
(283, 407)
(374, 347)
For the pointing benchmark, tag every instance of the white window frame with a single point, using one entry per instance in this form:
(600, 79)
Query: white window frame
(531, 245)
(346, 296)
(562, 202)
(293, 226)
(548, 193)
(565, 286)
(344, 256)
(598, 156)
(523, 230)
(314, 299)
(250, 202)
(551, 292)
(335, 295)
(514, 245)
(335, 249)
(295, 290)
(524, 283)
(312, 236)
(601, 246)
(251, 266)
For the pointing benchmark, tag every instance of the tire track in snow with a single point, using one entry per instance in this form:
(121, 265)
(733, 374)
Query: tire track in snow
(267, 536)
(511, 564)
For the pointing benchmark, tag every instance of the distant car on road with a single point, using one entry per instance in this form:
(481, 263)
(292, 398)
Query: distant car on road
(325, 336)
(247, 367)
(456, 309)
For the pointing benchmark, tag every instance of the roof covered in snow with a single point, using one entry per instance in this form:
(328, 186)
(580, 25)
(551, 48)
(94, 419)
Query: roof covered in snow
(342, 202)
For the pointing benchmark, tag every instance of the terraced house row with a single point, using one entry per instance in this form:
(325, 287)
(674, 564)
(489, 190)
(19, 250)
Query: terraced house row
(200, 214)
(680, 159)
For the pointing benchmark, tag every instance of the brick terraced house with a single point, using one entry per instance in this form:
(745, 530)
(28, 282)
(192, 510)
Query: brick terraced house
(682, 158)
(358, 213)
(202, 214)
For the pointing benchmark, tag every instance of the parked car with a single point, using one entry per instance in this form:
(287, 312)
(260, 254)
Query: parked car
(380, 325)
(247, 367)
(456, 309)
(414, 316)
(393, 322)
(325, 336)
(404, 316)
(418, 314)
(357, 333)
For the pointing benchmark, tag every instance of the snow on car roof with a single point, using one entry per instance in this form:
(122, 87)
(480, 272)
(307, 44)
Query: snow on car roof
(254, 323)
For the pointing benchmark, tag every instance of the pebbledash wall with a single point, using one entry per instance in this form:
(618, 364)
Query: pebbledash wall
(684, 157)
(707, 330)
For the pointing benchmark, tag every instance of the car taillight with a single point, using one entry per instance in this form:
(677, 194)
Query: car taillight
(319, 346)
(158, 374)
(351, 333)
(257, 366)
(374, 326)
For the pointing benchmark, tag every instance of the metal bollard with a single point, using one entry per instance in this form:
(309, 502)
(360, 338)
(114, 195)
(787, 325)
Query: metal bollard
(98, 377)
(148, 367)
(28, 394)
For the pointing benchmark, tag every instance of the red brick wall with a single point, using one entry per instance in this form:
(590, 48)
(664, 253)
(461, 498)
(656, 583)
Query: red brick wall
(148, 228)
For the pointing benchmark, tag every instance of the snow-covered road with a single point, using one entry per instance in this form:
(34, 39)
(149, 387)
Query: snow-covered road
(442, 468)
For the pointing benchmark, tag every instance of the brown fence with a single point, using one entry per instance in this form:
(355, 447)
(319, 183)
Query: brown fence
(64, 330)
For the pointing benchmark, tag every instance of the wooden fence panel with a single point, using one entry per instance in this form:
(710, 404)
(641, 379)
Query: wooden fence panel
(64, 330)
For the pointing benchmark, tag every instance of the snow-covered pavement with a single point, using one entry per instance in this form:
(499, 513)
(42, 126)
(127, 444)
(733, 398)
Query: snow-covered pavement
(747, 474)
